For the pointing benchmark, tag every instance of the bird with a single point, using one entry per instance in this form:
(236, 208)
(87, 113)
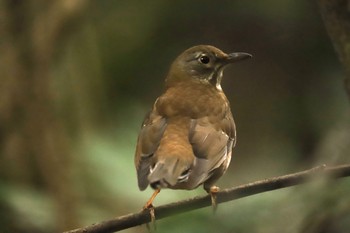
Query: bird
(186, 140)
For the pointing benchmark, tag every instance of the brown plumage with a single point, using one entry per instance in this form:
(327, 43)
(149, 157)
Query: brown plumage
(187, 138)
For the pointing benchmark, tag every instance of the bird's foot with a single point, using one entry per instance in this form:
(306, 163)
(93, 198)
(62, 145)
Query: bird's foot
(149, 206)
(213, 191)
(152, 225)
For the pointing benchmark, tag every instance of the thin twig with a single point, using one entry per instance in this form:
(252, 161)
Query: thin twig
(234, 193)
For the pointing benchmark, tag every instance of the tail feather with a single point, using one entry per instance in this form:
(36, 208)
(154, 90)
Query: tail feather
(166, 173)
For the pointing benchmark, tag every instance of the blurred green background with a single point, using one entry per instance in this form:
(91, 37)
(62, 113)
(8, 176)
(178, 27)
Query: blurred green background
(77, 77)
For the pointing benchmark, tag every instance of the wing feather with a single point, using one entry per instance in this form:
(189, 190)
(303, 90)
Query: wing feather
(212, 146)
(148, 141)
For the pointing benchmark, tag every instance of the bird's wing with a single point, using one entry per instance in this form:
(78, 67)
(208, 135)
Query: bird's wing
(212, 145)
(148, 141)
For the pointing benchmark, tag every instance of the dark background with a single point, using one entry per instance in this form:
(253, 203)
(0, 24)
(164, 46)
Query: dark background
(77, 77)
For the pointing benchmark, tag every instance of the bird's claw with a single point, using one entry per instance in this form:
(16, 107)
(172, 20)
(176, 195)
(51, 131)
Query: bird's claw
(150, 207)
(213, 191)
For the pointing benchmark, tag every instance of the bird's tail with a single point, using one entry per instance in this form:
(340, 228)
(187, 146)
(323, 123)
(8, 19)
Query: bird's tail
(168, 172)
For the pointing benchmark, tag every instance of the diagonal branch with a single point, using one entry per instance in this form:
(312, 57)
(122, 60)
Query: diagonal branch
(163, 211)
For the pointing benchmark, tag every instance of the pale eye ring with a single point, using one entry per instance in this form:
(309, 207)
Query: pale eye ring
(204, 59)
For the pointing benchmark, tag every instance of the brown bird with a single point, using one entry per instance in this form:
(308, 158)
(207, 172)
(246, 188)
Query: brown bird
(187, 138)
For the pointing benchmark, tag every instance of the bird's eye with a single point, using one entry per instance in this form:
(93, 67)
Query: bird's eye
(204, 59)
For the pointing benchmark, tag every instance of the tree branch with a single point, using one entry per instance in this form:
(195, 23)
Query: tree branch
(234, 193)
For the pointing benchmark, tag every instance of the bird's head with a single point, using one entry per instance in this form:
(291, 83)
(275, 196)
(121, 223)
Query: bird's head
(203, 63)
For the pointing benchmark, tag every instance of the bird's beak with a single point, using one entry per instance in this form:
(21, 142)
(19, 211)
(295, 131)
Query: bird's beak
(238, 56)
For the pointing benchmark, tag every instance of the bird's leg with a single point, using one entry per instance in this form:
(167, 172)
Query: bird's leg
(149, 206)
(213, 191)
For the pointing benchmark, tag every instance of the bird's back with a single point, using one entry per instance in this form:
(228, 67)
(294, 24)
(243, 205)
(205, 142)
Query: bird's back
(195, 142)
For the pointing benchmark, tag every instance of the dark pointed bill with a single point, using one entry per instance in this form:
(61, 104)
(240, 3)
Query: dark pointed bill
(238, 56)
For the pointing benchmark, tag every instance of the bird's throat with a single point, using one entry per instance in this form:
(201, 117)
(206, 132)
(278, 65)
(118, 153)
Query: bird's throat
(215, 78)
